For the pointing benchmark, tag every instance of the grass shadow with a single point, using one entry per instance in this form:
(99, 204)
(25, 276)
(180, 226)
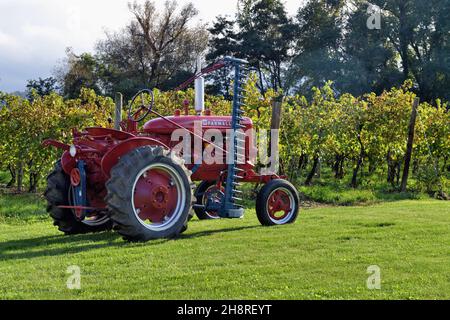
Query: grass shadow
(212, 232)
(38, 247)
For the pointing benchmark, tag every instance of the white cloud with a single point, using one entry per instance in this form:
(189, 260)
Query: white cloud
(7, 41)
(35, 33)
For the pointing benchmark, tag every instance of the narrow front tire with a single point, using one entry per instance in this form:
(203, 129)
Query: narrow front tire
(277, 203)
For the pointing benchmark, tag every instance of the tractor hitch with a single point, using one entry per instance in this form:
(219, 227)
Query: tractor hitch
(56, 144)
(82, 208)
(79, 198)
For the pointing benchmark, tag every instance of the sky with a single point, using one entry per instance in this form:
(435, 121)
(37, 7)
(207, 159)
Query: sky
(34, 34)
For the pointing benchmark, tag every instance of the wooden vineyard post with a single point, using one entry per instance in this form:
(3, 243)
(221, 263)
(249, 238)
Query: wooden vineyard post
(118, 112)
(275, 126)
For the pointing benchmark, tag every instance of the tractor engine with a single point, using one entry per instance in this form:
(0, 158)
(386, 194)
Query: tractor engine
(162, 130)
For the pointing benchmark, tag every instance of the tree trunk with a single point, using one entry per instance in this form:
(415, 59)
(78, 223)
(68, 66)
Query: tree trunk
(20, 177)
(154, 76)
(354, 182)
(336, 166)
(362, 152)
(404, 35)
(313, 171)
(393, 171)
(33, 182)
(339, 167)
(30, 182)
(319, 169)
(391, 168)
(305, 162)
(261, 81)
(301, 162)
(409, 147)
(13, 180)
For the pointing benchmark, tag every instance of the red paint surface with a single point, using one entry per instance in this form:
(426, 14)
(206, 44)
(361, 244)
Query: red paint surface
(279, 202)
(161, 126)
(154, 197)
(102, 148)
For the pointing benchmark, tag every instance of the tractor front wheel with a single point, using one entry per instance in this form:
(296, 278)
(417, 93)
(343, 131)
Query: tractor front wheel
(149, 195)
(277, 203)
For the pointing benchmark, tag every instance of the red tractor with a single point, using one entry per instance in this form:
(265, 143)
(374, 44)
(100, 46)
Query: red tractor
(132, 180)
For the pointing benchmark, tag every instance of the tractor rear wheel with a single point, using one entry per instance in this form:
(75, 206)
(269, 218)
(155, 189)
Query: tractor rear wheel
(205, 189)
(149, 195)
(58, 194)
(277, 203)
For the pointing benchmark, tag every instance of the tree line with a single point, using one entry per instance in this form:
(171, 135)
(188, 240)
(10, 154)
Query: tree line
(361, 140)
(357, 138)
(326, 40)
(348, 88)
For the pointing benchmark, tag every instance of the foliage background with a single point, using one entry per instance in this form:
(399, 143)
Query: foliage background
(359, 140)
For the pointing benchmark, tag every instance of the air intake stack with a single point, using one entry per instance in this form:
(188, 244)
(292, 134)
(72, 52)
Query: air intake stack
(200, 95)
(199, 91)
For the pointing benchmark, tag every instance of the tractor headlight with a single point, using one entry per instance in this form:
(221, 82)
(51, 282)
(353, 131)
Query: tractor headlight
(73, 151)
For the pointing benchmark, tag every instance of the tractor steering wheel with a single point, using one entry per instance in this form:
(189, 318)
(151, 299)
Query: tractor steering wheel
(146, 107)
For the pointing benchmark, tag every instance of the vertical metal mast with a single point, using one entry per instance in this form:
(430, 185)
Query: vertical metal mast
(229, 207)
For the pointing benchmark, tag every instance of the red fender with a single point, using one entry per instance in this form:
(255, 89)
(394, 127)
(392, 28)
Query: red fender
(68, 163)
(112, 157)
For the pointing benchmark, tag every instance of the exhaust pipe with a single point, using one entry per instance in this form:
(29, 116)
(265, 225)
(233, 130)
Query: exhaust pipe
(200, 95)
(199, 91)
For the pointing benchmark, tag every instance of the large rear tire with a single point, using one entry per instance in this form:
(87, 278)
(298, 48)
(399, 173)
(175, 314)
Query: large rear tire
(150, 195)
(277, 203)
(57, 194)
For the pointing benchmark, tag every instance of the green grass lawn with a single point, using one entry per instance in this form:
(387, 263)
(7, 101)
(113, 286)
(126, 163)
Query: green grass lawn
(325, 255)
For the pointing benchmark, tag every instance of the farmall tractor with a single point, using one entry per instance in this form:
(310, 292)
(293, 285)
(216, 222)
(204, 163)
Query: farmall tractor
(132, 181)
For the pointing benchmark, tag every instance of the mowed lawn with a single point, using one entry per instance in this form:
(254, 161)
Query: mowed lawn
(325, 255)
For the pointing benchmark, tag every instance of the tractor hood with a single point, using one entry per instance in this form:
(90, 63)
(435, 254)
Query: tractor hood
(167, 126)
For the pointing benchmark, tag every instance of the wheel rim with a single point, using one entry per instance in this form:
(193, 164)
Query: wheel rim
(280, 206)
(92, 221)
(216, 194)
(159, 197)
